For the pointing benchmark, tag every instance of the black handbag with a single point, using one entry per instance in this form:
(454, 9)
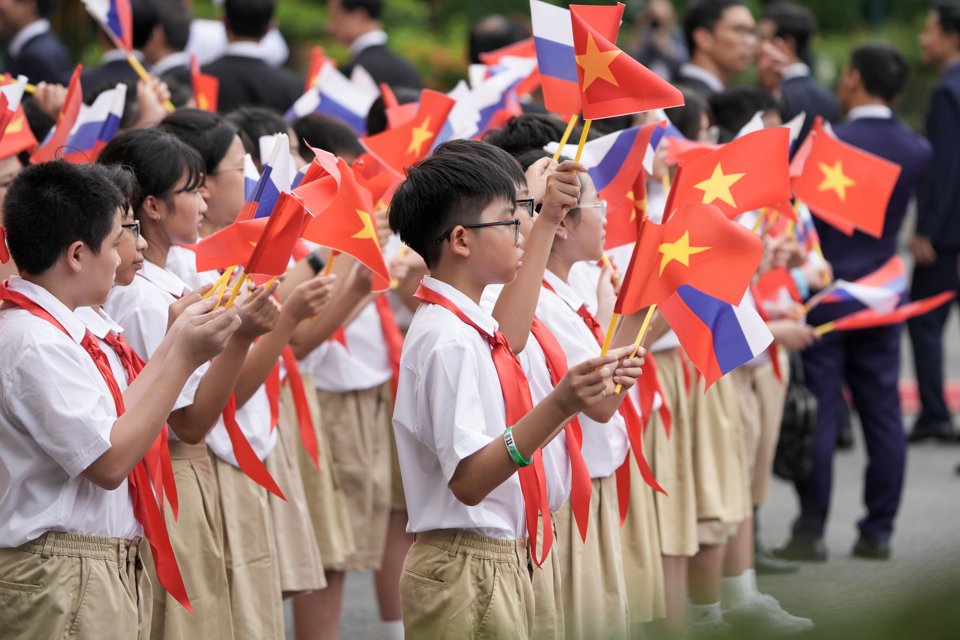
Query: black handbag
(793, 458)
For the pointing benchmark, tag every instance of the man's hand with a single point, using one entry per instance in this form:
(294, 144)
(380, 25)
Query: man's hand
(922, 250)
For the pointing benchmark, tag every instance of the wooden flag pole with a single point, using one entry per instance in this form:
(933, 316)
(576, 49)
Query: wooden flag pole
(333, 256)
(236, 290)
(609, 337)
(220, 283)
(760, 216)
(583, 139)
(566, 136)
(144, 75)
(823, 329)
(640, 336)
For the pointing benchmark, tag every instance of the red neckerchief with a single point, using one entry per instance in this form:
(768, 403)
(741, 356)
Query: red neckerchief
(308, 436)
(392, 336)
(145, 506)
(518, 403)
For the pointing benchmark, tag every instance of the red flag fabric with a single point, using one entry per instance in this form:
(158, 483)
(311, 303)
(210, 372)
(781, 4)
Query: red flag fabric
(206, 88)
(229, 246)
(275, 246)
(611, 82)
(776, 288)
(747, 173)
(840, 181)
(17, 136)
(683, 150)
(523, 49)
(348, 225)
(698, 246)
(399, 147)
(318, 58)
(65, 121)
(872, 318)
(4, 254)
(379, 179)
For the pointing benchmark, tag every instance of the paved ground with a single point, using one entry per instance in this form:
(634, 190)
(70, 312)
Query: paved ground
(845, 595)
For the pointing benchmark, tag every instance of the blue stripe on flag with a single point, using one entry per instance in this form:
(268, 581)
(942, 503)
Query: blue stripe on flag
(604, 172)
(556, 60)
(729, 343)
(331, 107)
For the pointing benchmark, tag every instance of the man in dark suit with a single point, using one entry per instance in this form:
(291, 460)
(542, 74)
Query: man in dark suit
(164, 49)
(356, 23)
(34, 50)
(721, 39)
(245, 79)
(785, 32)
(114, 67)
(936, 245)
(868, 360)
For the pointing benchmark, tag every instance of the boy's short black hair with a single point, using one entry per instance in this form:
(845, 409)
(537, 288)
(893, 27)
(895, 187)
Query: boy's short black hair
(158, 160)
(948, 15)
(373, 8)
(883, 70)
(494, 154)
(144, 21)
(209, 133)
(441, 192)
(530, 131)
(256, 122)
(733, 108)
(328, 133)
(51, 205)
(705, 14)
(248, 18)
(173, 18)
(792, 21)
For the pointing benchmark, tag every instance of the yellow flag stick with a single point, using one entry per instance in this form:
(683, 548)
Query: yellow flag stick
(640, 335)
(144, 75)
(583, 139)
(220, 283)
(394, 282)
(236, 290)
(760, 217)
(326, 269)
(823, 329)
(566, 136)
(609, 337)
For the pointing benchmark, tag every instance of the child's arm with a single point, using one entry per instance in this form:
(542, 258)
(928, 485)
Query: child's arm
(583, 385)
(202, 334)
(518, 300)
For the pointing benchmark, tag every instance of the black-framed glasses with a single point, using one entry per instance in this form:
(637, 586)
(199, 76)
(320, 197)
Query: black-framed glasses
(514, 222)
(526, 205)
(134, 228)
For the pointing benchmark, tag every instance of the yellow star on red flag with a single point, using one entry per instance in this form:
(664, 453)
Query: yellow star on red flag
(596, 64)
(717, 186)
(835, 179)
(419, 135)
(679, 251)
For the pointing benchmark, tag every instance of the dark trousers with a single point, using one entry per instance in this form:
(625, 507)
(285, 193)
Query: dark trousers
(868, 361)
(926, 334)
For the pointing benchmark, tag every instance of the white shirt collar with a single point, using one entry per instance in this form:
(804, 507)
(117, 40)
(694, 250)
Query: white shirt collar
(98, 322)
(164, 64)
(470, 308)
(795, 70)
(564, 290)
(244, 49)
(52, 305)
(704, 75)
(25, 35)
(162, 278)
(118, 55)
(373, 38)
(870, 111)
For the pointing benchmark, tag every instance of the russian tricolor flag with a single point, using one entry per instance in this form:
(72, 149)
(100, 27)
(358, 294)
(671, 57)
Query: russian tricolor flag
(880, 290)
(251, 176)
(335, 95)
(495, 97)
(96, 126)
(717, 337)
(464, 119)
(553, 39)
(275, 178)
(116, 17)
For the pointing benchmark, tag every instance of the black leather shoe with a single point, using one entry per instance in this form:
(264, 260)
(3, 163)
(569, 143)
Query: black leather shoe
(802, 550)
(872, 549)
(941, 431)
(766, 565)
(845, 438)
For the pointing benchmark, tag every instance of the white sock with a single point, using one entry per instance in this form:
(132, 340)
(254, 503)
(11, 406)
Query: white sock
(738, 590)
(703, 614)
(392, 630)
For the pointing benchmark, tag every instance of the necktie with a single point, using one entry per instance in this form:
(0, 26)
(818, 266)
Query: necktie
(145, 507)
(517, 400)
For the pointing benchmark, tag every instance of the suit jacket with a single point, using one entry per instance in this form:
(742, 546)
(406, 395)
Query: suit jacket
(42, 59)
(693, 83)
(250, 82)
(938, 215)
(803, 94)
(385, 66)
(98, 79)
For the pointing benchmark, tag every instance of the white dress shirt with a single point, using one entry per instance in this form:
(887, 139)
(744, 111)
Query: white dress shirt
(364, 363)
(449, 406)
(25, 35)
(208, 39)
(56, 416)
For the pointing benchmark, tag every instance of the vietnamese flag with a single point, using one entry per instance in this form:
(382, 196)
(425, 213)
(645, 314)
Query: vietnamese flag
(698, 246)
(611, 82)
(872, 318)
(407, 144)
(280, 234)
(57, 138)
(17, 136)
(229, 246)
(206, 88)
(748, 173)
(347, 225)
(683, 150)
(840, 181)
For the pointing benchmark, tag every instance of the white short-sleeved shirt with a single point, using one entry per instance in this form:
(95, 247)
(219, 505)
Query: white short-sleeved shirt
(604, 444)
(556, 462)
(364, 363)
(449, 406)
(56, 416)
(254, 416)
(141, 309)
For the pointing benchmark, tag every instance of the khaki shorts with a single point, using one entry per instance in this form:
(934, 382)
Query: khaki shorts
(457, 584)
(357, 425)
(197, 539)
(594, 587)
(64, 585)
(298, 555)
(250, 553)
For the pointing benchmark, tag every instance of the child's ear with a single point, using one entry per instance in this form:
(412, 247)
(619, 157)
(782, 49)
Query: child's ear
(74, 255)
(204, 191)
(561, 232)
(459, 242)
(151, 208)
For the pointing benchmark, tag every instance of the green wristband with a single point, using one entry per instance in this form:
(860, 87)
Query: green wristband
(515, 454)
